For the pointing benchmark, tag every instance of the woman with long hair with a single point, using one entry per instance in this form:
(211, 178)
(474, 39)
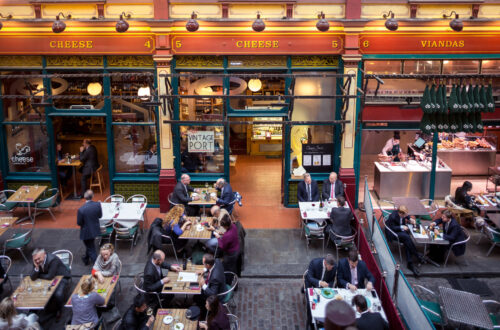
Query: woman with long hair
(175, 223)
(84, 304)
(107, 263)
(217, 315)
(9, 319)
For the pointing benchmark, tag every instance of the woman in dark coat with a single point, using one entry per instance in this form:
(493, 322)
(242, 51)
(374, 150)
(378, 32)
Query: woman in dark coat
(217, 315)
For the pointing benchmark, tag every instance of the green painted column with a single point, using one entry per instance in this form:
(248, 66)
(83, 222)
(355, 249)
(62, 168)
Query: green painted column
(433, 168)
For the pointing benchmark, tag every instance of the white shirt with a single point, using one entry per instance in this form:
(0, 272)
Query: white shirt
(388, 146)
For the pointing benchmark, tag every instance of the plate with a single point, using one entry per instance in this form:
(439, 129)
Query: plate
(199, 228)
(179, 326)
(194, 194)
(168, 319)
(328, 293)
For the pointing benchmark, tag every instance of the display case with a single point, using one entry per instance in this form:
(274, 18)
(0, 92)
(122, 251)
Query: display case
(265, 139)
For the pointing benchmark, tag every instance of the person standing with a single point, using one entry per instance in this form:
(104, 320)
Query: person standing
(332, 187)
(180, 195)
(88, 156)
(392, 147)
(307, 190)
(88, 219)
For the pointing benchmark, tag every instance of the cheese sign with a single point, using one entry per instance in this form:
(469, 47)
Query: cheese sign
(201, 141)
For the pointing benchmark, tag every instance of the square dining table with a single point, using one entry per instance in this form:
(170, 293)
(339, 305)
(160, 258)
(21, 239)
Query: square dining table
(74, 164)
(105, 289)
(126, 214)
(197, 230)
(27, 195)
(415, 207)
(178, 316)
(177, 285)
(6, 223)
(41, 292)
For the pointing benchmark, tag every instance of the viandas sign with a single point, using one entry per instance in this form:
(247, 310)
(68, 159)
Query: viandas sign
(201, 141)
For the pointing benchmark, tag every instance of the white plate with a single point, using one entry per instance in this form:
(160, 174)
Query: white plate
(194, 194)
(179, 326)
(199, 228)
(168, 319)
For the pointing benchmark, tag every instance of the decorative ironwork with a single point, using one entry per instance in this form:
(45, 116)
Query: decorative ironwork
(74, 60)
(22, 61)
(130, 61)
(199, 61)
(315, 61)
(257, 61)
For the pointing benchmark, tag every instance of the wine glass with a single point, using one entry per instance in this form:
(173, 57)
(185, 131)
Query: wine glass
(149, 311)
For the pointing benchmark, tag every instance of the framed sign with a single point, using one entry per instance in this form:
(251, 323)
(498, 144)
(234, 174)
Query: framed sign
(201, 141)
(317, 158)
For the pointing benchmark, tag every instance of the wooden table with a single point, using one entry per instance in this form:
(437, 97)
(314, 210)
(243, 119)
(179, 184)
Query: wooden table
(74, 163)
(84, 326)
(194, 233)
(178, 287)
(28, 195)
(202, 201)
(36, 299)
(6, 223)
(106, 285)
(415, 207)
(179, 316)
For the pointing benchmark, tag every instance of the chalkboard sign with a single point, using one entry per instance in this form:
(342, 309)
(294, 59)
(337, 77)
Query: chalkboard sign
(317, 158)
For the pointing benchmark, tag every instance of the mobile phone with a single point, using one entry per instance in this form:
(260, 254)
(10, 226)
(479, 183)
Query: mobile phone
(167, 288)
(373, 294)
(207, 224)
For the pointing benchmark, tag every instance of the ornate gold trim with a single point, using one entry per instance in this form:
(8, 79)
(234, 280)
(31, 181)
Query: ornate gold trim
(74, 60)
(314, 60)
(199, 61)
(22, 61)
(257, 61)
(130, 61)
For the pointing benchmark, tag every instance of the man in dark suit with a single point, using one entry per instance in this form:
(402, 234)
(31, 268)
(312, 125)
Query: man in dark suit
(88, 156)
(47, 266)
(398, 222)
(87, 218)
(452, 232)
(340, 220)
(321, 273)
(368, 320)
(180, 195)
(212, 282)
(226, 195)
(307, 190)
(135, 317)
(154, 279)
(332, 187)
(352, 273)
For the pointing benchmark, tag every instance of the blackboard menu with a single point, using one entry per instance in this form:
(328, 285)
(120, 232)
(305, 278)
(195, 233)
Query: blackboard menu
(317, 158)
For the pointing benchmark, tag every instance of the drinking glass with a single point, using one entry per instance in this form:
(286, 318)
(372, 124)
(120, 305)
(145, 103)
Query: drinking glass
(21, 283)
(149, 311)
(206, 185)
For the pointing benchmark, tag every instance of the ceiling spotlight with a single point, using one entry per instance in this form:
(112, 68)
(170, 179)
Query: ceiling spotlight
(6, 17)
(322, 24)
(391, 23)
(456, 24)
(192, 25)
(122, 24)
(59, 26)
(258, 25)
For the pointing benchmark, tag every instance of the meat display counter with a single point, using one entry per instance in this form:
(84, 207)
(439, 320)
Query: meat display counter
(410, 179)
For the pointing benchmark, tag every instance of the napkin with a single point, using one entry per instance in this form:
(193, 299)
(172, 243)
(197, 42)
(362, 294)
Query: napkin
(163, 312)
(5, 225)
(54, 282)
(142, 205)
(195, 288)
(113, 280)
(116, 215)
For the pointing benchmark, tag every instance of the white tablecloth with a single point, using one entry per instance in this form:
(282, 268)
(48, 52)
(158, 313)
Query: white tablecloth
(311, 210)
(318, 313)
(127, 215)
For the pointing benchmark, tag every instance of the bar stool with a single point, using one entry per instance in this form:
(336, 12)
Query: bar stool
(100, 182)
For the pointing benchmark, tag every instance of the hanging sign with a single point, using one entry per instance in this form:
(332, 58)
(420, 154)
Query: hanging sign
(390, 43)
(201, 141)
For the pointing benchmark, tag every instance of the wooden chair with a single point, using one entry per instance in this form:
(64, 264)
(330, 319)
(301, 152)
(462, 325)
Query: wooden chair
(100, 181)
(462, 215)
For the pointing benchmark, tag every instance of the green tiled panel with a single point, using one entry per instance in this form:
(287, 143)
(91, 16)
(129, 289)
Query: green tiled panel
(14, 185)
(148, 189)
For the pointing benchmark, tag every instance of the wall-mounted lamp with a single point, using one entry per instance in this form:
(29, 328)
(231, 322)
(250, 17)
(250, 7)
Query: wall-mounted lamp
(322, 24)
(94, 88)
(258, 25)
(192, 25)
(6, 17)
(122, 24)
(391, 23)
(59, 26)
(255, 84)
(456, 24)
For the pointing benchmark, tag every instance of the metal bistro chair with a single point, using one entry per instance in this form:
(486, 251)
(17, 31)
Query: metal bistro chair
(233, 322)
(106, 232)
(385, 213)
(125, 234)
(138, 284)
(48, 203)
(172, 204)
(342, 241)
(20, 240)
(492, 235)
(431, 207)
(5, 206)
(226, 297)
(6, 262)
(170, 241)
(432, 309)
(115, 199)
(313, 230)
(467, 238)
(66, 257)
(117, 325)
(393, 237)
(138, 198)
(495, 305)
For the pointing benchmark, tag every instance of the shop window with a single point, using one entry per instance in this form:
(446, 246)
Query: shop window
(135, 149)
(490, 66)
(134, 92)
(422, 67)
(383, 67)
(395, 89)
(202, 149)
(256, 86)
(204, 109)
(21, 109)
(460, 66)
(314, 109)
(27, 148)
(81, 92)
(309, 134)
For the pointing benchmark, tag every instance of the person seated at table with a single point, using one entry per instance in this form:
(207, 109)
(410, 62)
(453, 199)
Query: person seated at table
(154, 278)
(307, 190)
(332, 188)
(398, 222)
(180, 195)
(9, 319)
(84, 304)
(107, 263)
(226, 194)
(135, 318)
(321, 273)
(464, 199)
(47, 266)
(212, 282)
(151, 160)
(217, 214)
(452, 232)
(352, 273)
(63, 172)
(229, 244)
(340, 220)
(217, 318)
(174, 225)
(368, 320)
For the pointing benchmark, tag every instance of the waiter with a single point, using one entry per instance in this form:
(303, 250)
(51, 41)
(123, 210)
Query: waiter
(392, 147)
(88, 156)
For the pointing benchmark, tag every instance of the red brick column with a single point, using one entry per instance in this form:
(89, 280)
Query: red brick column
(166, 186)
(346, 175)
